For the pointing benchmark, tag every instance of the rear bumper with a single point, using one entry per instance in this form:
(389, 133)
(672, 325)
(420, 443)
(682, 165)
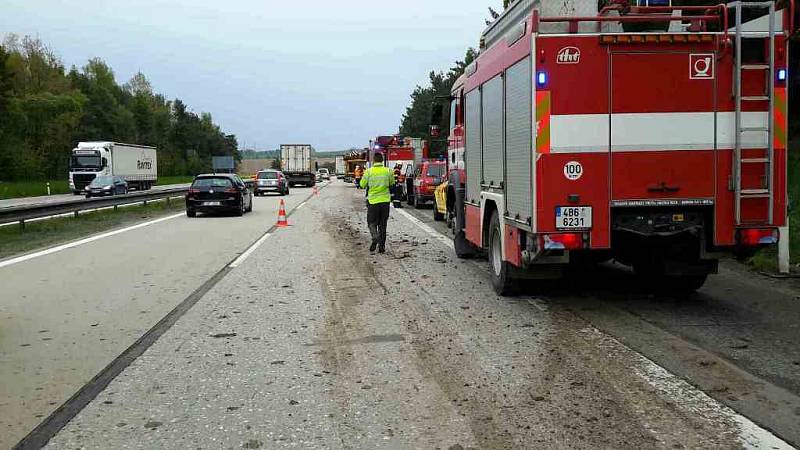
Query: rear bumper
(200, 205)
(268, 189)
(98, 194)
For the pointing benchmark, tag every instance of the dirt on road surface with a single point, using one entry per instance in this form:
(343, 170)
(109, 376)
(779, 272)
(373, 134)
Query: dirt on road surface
(313, 342)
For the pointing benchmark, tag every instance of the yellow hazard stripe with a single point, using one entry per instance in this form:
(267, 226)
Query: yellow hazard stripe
(780, 114)
(542, 121)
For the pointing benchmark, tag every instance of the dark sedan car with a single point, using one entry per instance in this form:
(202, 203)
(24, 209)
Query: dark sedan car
(106, 185)
(218, 193)
(271, 181)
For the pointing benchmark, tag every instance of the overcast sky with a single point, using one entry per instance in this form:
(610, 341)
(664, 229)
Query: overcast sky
(331, 73)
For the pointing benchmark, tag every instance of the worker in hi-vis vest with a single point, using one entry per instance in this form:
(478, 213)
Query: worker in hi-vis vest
(378, 180)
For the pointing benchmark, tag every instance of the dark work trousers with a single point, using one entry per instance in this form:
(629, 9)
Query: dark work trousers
(377, 216)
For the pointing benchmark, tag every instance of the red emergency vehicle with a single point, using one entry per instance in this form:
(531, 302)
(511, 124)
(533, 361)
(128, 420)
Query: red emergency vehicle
(655, 136)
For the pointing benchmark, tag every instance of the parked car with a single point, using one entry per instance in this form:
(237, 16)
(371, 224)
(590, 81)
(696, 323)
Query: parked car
(326, 175)
(218, 193)
(106, 185)
(318, 177)
(421, 186)
(271, 181)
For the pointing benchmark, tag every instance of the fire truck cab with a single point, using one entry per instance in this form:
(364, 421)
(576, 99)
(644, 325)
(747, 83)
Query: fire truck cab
(654, 136)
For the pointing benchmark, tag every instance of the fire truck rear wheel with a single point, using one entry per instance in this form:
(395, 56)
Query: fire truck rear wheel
(686, 284)
(499, 269)
(654, 279)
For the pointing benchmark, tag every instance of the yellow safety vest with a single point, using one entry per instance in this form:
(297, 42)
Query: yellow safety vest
(378, 179)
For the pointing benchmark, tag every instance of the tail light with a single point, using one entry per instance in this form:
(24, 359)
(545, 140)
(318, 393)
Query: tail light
(194, 191)
(752, 237)
(563, 241)
(231, 191)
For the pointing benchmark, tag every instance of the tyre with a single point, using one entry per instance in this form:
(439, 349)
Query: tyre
(240, 210)
(502, 281)
(687, 284)
(191, 213)
(653, 278)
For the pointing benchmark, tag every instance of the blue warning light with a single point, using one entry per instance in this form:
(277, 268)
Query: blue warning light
(541, 79)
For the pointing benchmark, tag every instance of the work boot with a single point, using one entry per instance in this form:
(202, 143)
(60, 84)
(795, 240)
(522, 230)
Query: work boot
(382, 249)
(373, 246)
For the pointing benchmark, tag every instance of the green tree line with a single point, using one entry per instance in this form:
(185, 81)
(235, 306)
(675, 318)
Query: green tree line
(46, 109)
(416, 121)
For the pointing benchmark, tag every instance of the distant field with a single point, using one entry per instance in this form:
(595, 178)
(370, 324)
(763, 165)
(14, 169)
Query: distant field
(19, 189)
(182, 179)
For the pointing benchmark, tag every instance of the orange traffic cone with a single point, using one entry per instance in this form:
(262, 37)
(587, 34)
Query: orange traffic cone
(282, 222)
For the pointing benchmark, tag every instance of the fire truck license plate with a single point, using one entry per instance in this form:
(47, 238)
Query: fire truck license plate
(573, 217)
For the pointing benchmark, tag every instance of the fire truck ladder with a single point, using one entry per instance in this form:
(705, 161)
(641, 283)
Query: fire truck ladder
(768, 191)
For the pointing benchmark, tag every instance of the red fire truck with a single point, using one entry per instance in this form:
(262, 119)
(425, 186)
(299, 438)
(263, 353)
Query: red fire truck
(655, 136)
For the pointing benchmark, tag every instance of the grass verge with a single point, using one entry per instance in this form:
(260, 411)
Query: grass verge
(767, 259)
(18, 189)
(45, 233)
(163, 181)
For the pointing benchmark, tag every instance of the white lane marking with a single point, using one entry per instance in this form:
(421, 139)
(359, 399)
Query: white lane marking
(751, 435)
(427, 229)
(686, 396)
(238, 261)
(59, 248)
(301, 205)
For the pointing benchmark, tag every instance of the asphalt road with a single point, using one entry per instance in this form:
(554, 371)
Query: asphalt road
(43, 200)
(311, 342)
(65, 316)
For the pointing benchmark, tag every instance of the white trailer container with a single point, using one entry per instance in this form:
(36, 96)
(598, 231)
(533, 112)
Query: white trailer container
(340, 167)
(296, 164)
(136, 164)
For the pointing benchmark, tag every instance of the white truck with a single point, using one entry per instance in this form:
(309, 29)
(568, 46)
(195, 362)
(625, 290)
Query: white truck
(340, 167)
(296, 164)
(136, 164)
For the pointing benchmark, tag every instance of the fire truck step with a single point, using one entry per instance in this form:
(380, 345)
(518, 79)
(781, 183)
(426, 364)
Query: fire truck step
(755, 160)
(755, 66)
(745, 129)
(755, 193)
(754, 98)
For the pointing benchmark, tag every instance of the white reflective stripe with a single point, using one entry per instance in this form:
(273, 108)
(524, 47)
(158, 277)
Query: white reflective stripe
(588, 133)
(579, 133)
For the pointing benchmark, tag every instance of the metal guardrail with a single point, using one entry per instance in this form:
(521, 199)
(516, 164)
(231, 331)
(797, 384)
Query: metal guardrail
(27, 212)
